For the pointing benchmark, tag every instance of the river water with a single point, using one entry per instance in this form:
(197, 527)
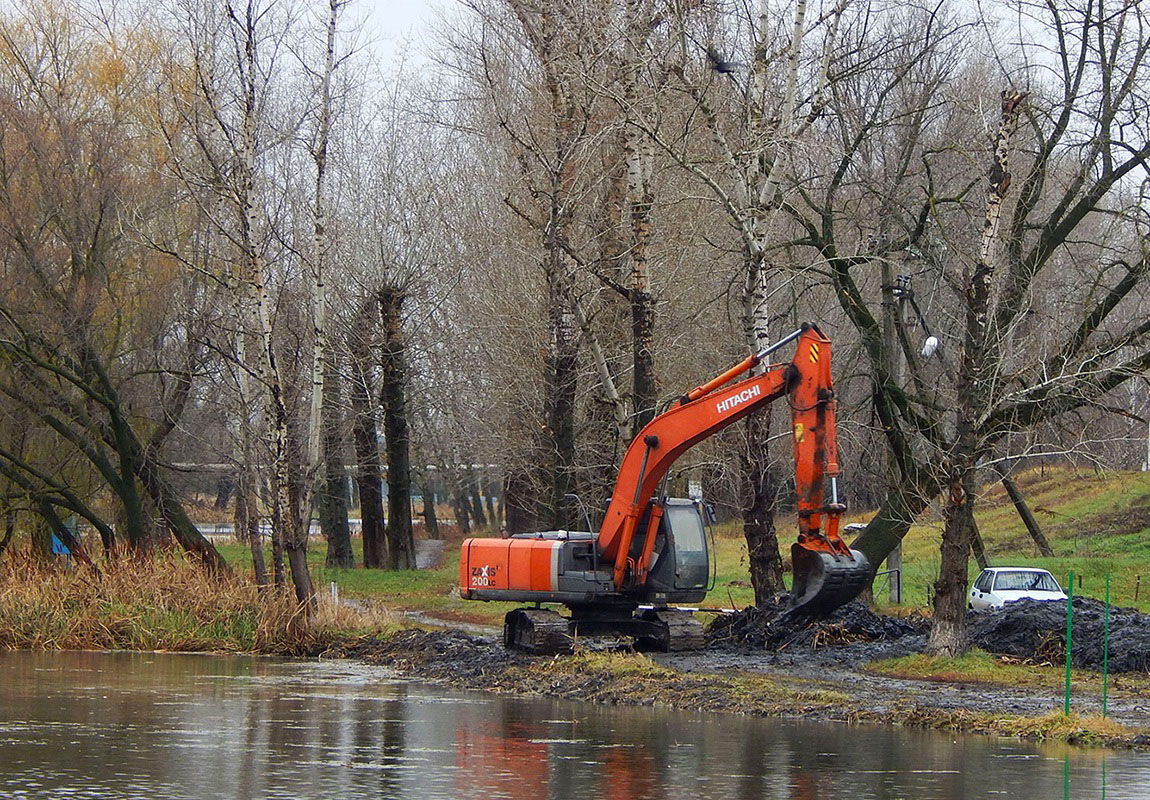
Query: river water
(159, 726)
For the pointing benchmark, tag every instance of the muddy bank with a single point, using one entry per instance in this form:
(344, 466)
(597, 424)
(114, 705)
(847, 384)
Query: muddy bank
(805, 678)
(760, 661)
(851, 635)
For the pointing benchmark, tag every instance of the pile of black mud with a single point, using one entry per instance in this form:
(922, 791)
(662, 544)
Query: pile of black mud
(772, 629)
(1037, 630)
(1027, 629)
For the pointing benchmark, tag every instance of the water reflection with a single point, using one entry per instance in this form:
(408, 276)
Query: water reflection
(164, 726)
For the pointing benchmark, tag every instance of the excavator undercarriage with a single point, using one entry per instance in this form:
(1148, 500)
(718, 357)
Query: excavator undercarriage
(542, 631)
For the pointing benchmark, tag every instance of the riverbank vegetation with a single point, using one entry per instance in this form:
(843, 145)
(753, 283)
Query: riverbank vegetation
(166, 603)
(161, 602)
(977, 666)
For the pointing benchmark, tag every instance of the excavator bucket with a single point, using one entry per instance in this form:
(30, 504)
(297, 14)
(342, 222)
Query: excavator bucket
(824, 581)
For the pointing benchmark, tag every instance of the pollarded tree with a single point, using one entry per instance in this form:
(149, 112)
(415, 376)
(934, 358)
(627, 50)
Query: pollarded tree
(392, 233)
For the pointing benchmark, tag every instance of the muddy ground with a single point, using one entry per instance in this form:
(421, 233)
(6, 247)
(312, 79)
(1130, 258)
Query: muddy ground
(756, 663)
(838, 648)
(1026, 629)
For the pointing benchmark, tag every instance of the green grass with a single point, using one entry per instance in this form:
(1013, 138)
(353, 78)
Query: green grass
(633, 679)
(1095, 523)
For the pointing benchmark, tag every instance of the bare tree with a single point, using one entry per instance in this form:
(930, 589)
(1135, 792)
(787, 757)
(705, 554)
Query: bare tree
(221, 137)
(1046, 351)
(749, 124)
(974, 385)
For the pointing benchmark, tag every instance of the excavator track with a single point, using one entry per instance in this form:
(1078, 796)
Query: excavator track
(537, 631)
(676, 631)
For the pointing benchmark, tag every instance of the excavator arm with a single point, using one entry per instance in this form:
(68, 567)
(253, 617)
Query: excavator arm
(826, 572)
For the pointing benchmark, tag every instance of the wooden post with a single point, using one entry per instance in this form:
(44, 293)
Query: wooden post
(977, 548)
(894, 564)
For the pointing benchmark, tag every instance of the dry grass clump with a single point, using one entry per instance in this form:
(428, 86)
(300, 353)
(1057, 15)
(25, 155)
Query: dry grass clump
(1060, 727)
(159, 602)
(1053, 726)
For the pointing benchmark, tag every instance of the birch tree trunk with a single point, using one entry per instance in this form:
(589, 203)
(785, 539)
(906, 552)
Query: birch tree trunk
(294, 540)
(246, 514)
(640, 201)
(760, 485)
(312, 455)
(323, 425)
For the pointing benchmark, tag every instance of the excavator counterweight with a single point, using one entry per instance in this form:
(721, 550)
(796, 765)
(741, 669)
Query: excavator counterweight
(651, 551)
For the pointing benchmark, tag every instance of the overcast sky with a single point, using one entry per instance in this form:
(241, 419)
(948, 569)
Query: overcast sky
(390, 22)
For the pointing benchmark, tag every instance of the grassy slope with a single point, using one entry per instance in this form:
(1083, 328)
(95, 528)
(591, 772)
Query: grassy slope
(1097, 524)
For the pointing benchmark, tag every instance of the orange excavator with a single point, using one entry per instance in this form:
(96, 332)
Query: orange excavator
(650, 550)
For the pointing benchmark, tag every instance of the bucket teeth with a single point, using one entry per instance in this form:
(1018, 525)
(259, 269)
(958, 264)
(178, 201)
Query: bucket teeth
(823, 582)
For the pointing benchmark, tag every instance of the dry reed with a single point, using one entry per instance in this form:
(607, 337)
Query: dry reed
(158, 603)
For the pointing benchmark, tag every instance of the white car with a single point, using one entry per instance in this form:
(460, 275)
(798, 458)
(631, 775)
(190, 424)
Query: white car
(997, 586)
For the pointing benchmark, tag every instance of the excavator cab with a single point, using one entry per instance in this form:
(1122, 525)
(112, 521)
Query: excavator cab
(680, 567)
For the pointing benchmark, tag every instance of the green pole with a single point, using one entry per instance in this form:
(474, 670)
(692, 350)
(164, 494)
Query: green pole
(1069, 627)
(1106, 646)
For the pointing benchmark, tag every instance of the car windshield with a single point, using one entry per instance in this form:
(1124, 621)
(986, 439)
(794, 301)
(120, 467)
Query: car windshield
(1023, 581)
